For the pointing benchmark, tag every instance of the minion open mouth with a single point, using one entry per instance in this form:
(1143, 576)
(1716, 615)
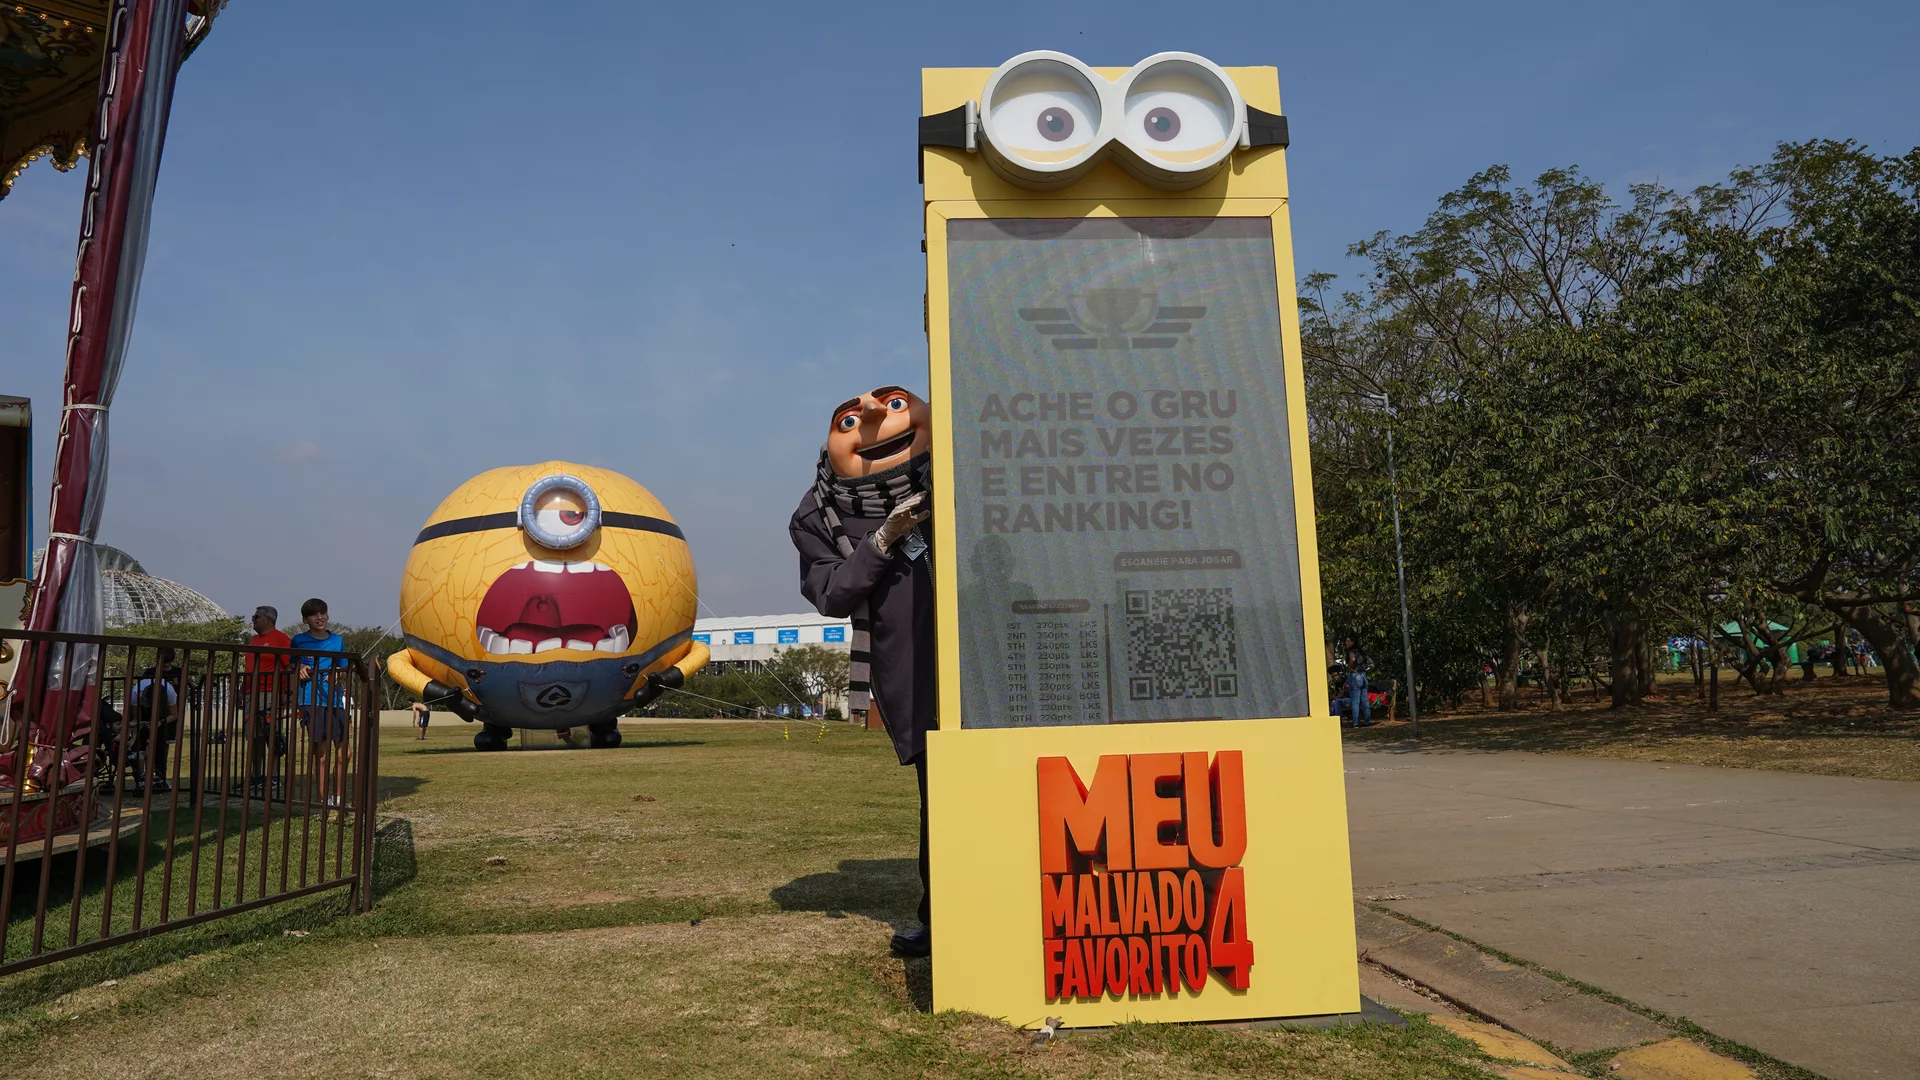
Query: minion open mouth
(542, 605)
(886, 448)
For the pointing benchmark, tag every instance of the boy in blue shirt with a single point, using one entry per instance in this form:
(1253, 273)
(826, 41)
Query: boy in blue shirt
(323, 697)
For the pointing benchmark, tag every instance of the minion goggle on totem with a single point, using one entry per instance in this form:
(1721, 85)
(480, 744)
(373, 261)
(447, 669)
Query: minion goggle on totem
(1045, 118)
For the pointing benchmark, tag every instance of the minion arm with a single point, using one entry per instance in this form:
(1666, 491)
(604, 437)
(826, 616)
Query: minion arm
(674, 677)
(400, 669)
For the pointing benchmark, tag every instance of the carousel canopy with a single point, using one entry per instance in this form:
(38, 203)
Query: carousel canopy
(50, 56)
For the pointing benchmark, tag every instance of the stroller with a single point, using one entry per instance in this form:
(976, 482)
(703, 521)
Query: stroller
(1341, 701)
(155, 725)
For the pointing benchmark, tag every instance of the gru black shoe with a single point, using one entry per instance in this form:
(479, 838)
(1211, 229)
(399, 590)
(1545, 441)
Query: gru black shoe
(913, 943)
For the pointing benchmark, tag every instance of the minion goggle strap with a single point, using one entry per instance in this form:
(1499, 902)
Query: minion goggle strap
(1044, 119)
(557, 512)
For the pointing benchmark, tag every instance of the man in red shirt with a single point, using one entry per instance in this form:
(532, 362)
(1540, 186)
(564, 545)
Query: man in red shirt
(267, 690)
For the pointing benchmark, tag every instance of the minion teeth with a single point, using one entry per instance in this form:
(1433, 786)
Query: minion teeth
(543, 606)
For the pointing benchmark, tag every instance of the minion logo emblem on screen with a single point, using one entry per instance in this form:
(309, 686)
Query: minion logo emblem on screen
(1114, 319)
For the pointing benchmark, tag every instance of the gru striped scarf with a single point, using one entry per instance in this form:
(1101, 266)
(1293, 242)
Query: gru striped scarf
(871, 496)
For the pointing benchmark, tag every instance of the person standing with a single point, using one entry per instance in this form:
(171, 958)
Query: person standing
(323, 697)
(1357, 665)
(864, 555)
(268, 693)
(421, 714)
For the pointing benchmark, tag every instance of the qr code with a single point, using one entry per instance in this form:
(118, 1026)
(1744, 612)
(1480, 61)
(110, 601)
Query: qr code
(1181, 644)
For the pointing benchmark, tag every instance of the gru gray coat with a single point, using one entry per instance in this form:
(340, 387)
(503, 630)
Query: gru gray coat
(899, 595)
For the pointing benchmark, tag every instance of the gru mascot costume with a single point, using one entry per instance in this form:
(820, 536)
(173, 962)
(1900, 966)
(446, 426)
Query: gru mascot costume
(864, 555)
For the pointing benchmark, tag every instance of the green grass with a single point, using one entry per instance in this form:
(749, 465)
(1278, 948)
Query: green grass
(535, 919)
(285, 852)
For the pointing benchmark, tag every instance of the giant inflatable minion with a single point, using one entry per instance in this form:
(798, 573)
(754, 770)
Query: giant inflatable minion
(547, 596)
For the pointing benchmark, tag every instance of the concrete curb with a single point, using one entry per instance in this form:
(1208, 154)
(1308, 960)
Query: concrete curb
(1525, 1001)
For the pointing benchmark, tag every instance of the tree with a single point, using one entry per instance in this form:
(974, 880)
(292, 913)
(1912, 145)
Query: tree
(813, 670)
(1794, 306)
(1616, 423)
(1475, 326)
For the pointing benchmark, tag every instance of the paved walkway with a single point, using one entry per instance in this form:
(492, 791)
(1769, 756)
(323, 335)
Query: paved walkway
(1776, 909)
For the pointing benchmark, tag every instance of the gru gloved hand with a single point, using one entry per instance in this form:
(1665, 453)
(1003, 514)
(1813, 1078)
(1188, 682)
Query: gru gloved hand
(439, 695)
(901, 521)
(659, 683)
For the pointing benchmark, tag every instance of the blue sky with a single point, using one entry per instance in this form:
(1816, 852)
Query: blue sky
(395, 247)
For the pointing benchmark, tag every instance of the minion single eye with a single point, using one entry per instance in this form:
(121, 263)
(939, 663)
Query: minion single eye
(1162, 124)
(560, 512)
(1044, 114)
(1041, 119)
(1176, 119)
(1056, 124)
(1181, 120)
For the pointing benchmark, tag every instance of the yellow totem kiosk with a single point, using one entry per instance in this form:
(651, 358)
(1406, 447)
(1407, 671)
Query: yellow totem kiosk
(1137, 809)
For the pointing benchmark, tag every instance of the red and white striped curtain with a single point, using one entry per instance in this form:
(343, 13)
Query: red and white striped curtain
(145, 41)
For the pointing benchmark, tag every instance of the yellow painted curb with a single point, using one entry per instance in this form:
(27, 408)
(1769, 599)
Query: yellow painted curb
(1499, 1042)
(1529, 1072)
(1676, 1059)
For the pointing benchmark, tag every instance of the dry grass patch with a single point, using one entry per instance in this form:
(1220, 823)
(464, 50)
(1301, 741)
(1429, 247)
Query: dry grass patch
(1834, 726)
(796, 995)
(629, 1001)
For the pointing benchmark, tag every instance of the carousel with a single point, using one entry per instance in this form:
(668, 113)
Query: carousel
(88, 79)
(51, 54)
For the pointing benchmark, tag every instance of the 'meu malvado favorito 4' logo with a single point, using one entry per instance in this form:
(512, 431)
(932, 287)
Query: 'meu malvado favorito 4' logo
(1141, 890)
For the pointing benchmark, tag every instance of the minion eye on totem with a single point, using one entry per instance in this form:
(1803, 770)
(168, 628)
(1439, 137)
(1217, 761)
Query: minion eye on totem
(1045, 119)
(550, 596)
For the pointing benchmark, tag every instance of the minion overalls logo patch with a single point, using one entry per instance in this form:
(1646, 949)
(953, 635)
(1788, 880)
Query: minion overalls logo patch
(1141, 889)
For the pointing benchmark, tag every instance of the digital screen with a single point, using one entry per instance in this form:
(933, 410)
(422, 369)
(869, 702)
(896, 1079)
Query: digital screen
(1123, 501)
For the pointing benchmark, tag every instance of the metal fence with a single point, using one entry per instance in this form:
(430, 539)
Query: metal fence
(150, 785)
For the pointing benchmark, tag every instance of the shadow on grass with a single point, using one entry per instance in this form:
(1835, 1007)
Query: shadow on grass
(919, 972)
(399, 787)
(394, 863)
(128, 885)
(887, 888)
(225, 867)
(629, 744)
(38, 986)
(658, 744)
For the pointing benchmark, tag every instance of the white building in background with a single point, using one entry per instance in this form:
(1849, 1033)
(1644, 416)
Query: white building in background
(749, 641)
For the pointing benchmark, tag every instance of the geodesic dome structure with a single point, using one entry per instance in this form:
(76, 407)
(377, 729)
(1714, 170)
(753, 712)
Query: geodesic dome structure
(128, 594)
